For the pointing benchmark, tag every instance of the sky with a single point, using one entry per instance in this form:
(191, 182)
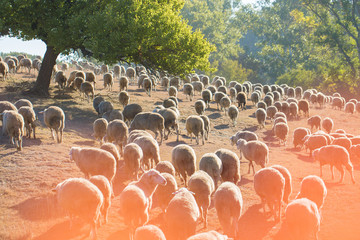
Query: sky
(37, 47)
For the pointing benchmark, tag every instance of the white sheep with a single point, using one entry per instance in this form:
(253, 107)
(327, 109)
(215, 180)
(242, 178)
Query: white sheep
(269, 185)
(163, 194)
(210, 235)
(171, 119)
(111, 148)
(246, 135)
(94, 161)
(124, 98)
(281, 131)
(108, 81)
(288, 185)
(327, 124)
(134, 208)
(148, 183)
(225, 103)
(228, 204)
(96, 102)
(335, 156)
(254, 151)
(206, 125)
(54, 118)
(202, 185)
(13, 126)
(149, 232)
(4, 69)
(103, 184)
(230, 164)
(117, 132)
(123, 82)
(183, 158)
(99, 128)
(149, 121)
(302, 219)
(105, 107)
(181, 214)
(299, 135)
(195, 125)
(172, 91)
(313, 188)
(188, 90)
(130, 111)
(165, 167)
(314, 141)
(200, 107)
(233, 113)
(206, 96)
(260, 115)
(150, 149)
(314, 121)
(29, 120)
(137, 133)
(87, 88)
(23, 103)
(80, 197)
(211, 164)
(132, 157)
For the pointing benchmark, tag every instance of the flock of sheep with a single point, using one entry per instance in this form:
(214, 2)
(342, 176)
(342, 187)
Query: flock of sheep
(125, 143)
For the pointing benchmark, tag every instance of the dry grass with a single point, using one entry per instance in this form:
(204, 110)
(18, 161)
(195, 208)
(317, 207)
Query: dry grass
(28, 209)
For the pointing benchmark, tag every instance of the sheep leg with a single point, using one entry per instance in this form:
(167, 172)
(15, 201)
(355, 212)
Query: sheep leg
(332, 172)
(52, 133)
(320, 170)
(250, 163)
(342, 172)
(93, 232)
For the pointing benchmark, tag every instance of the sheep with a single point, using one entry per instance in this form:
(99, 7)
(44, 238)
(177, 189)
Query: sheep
(233, 113)
(99, 128)
(336, 156)
(130, 74)
(293, 110)
(228, 204)
(269, 185)
(254, 151)
(80, 197)
(255, 97)
(26, 63)
(117, 132)
(150, 149)
(77, 83)
(302, 219)
(138, 133)
(105, 107)
(287, 176)
(130, 111)
(124, 82)
(313, 188)
(320, 99)
(90, 77)
(94, 161)
(222, 89)
(13, 126)
(247, 135)
(278, 106)
(281, 131)
(124, 98)
(103, 184)
(218, 96)
(202, 185)
(111, 148)
(29, 120)
(337, 103)
(11, 66)
(181, 215)
(148, 182)
(96, 102)
(299, 135)
(149, 121)
(357, 107)
(198, 86)
(271, 111)
(165, 167)
(165, 82)
(261, 104)
(23, 103)
(211, 164)
(268, 100)
(200, 107)
(188, 90)
(133, 208)
(183, 158)
(314, 141)
(87, 88)
(342, 141)
(169, 103)
(210, 235)
(170, 121)
(108, 81)
(230, 164)
(232, 93)
(54, 118)
(172, 91)
(225, 103)
(241, 100)
(114, 114)
(195, 125)
(133, 155)
(163, 194)
(206, 125)
(141, 79)
(149, 232)
(212, 89)
(314, 121)
(327, 124)
(60, 79)
(349, 107)
(260, 115)
(147, 85)
(206, 96)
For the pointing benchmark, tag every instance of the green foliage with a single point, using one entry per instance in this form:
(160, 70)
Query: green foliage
(151, 33)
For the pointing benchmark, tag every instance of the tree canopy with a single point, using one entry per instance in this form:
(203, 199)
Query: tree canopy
(147, 32)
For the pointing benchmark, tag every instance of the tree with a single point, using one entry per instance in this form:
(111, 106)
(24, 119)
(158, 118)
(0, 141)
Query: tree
(148, 32)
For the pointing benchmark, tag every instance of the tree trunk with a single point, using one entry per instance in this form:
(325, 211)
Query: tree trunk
(42, 83)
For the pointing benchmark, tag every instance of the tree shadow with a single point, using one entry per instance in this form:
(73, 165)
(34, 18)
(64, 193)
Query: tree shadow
(222, 126)
(175, 143)
(89, 143)
(39, 208)
(214, 115)
(62, 231)
(304, 158)
(254, 224)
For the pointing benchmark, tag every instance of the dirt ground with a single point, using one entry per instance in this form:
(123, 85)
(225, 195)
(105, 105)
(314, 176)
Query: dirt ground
(28, 209)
